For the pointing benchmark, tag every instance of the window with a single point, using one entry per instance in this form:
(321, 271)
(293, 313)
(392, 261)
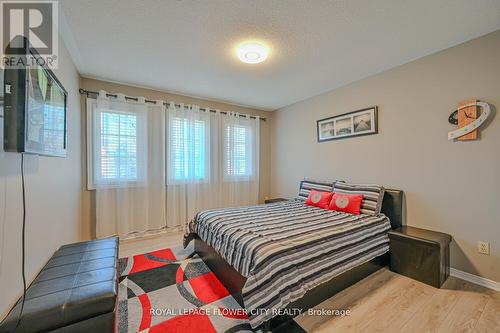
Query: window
(118, 147)
(238, 161)
(187, 149)
(115, 147)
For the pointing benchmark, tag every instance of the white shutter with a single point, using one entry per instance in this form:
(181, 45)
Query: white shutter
(238, 151)
(187, 149)
(117, 147)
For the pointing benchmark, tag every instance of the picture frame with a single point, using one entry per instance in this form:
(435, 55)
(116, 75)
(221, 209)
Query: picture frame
(347, 125)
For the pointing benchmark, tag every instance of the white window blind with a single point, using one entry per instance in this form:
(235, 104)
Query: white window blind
(188, 147)
(117, 147)
(238, 151)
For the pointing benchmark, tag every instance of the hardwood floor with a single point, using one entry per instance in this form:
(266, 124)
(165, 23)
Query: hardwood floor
(133, 246)
(384, 301)
(389, 302)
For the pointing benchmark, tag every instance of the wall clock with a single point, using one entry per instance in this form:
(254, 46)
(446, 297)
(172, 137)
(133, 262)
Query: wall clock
(467, 120)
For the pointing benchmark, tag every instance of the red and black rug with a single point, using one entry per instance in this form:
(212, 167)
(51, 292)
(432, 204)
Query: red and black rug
(169, 291)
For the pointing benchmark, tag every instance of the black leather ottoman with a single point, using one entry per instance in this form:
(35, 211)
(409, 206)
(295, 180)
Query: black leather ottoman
(421, 254)
(75, 291)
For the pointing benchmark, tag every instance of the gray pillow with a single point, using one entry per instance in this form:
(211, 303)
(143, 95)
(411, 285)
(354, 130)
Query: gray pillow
(310, 184)
(372, 195)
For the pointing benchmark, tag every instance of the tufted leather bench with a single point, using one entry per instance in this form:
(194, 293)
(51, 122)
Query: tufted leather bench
(75, 291)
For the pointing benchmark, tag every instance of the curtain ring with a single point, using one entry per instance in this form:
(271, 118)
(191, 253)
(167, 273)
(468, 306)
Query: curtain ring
(120, 97)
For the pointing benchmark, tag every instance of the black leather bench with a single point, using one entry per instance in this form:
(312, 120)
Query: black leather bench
(76, 291)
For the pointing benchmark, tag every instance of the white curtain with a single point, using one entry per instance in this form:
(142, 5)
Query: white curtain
(129, 166)
(212, 161)
(240, 160)
(154, 168)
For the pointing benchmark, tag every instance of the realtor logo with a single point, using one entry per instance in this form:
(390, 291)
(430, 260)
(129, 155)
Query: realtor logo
(37, 22)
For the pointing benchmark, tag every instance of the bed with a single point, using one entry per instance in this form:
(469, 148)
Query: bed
(289, 255)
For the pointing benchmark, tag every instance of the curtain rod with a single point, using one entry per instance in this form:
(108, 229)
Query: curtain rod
(90, 92)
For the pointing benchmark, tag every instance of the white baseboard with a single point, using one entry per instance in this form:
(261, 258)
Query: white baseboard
(475, 279)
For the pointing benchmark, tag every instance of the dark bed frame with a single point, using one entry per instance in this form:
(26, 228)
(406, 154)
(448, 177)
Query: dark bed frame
(392, 207)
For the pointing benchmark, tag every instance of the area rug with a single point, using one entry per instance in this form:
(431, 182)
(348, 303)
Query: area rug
(172, 290)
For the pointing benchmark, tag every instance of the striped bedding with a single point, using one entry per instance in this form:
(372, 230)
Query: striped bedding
(287, 248)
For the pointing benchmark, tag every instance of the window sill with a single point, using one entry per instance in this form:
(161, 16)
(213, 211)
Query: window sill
(93, 187)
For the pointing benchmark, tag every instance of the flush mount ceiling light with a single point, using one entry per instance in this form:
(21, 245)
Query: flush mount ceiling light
(252, 52)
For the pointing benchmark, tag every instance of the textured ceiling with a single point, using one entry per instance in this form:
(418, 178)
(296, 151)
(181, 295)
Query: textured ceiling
(187, 46)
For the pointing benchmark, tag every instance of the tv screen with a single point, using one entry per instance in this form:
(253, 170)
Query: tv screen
(46, 119)
(35, 109)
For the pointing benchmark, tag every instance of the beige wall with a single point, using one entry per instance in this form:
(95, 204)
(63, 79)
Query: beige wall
(88, 211)
(450, 187)
(53, 199)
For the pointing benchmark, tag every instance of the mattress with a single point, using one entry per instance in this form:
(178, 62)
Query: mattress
(287, 248)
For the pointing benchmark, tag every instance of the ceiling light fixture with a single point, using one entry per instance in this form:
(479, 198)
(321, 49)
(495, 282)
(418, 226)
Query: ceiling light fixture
(252, 52)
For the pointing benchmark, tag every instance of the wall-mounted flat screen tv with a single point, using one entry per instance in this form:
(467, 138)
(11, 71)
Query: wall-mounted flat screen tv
(35, 108)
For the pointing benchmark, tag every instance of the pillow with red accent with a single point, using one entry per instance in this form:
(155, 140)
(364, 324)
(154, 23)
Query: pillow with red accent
(319, 199)
(347, 203)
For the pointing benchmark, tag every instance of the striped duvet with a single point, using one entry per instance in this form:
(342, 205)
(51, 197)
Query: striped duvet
(287, 248)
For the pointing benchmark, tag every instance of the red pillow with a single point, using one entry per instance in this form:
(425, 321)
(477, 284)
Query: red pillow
(347, 203)
(319, 199)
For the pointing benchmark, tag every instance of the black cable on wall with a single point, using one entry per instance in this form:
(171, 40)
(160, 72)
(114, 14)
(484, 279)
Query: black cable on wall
(23, 249)
(23, 245)
(23, 242)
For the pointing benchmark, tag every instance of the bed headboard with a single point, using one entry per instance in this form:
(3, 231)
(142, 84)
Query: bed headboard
(392, 207)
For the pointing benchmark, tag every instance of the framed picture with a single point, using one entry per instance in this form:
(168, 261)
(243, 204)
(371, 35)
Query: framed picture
(355, 123)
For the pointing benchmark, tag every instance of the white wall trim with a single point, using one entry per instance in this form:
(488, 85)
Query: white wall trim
(475, 279)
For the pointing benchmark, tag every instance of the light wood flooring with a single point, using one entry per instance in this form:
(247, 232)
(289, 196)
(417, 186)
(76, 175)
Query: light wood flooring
(385, 301)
